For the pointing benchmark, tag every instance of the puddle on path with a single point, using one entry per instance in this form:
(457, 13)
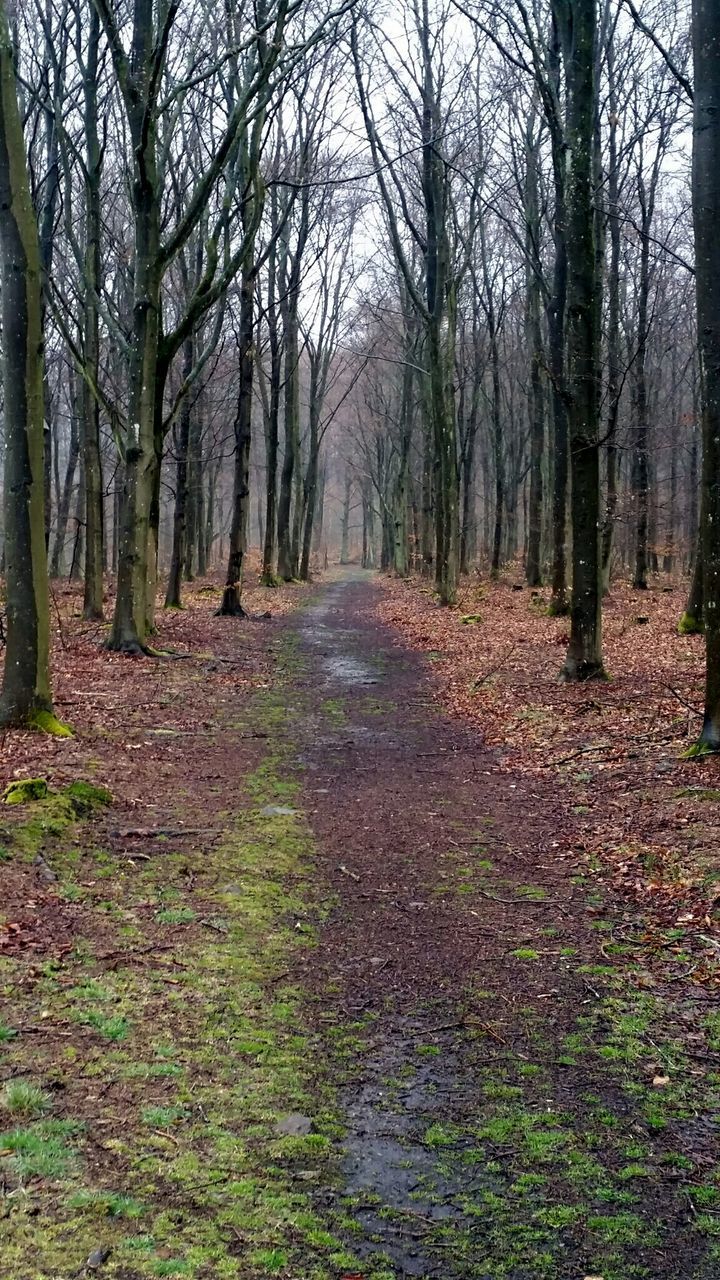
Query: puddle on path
(401, 1165)
(338, 662)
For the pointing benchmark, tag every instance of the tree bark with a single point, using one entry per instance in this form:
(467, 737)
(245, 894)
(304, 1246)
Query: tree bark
(272, 416)
(706, 214)
(231, 605)
(614, 387)
(25, 695)
(90, 415)
(577, 23)
(345, 522)
(556, 317)
(173, 595)
(536, 400)
(63, 506)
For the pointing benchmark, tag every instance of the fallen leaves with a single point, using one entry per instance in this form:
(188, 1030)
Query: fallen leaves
(623, 799)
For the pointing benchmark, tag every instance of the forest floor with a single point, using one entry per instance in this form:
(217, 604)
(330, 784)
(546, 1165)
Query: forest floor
(383, 954)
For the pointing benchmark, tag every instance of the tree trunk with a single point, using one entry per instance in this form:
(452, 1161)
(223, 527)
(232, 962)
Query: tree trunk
(533, 571)
(440, 324)
(320, 512)
(291, 442)
(173, 599)
(578, 27)
(26, 682)
(498, 460)
(496, 417)
(427, 546)
(136, 570)
(468, 537)
(556, 342)
(195, 491)
(614, 374)
(345, 523)
(231, 605)
(63, 507)
(706, 211)
(640, 465)
(368, 544)
(272, 426)
(90, 416)
(206, 529)
(47, 214)
(310, 483)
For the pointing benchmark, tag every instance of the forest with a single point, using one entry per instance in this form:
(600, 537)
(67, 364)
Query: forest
(360, 639)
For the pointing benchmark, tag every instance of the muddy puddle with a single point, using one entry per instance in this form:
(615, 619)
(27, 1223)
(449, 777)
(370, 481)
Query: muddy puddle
(402, 1163)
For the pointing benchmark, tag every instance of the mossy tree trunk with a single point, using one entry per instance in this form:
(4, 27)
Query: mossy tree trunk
(26, 682)
(706, 211)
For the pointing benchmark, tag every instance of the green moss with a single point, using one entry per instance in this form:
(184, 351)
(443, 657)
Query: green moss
(440, 1135)
(561, 1215)
(46, 722)
(631, 1171)
(622, 1229)
(25, 791)
(175, 915)
(86, 797)
(109, 1204)
(161, 1117)
(111, 1028)
(699, 793)
(334, 711)
(689, 626)
(706, 1196)
(697, 751)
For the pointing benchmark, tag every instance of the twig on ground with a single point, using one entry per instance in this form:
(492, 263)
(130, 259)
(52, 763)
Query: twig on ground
(493, 670)
(584, 751)
(697, 711)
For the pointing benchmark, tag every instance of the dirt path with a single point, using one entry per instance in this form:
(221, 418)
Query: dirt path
(523, 1100)
(321, 989)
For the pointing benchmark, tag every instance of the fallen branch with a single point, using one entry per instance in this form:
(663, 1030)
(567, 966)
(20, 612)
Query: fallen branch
(149, 833)
(517, 902)
(697, 711)
(584, 751)
(493, 670)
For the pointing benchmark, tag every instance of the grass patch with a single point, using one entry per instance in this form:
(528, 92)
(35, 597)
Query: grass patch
(19, 1097)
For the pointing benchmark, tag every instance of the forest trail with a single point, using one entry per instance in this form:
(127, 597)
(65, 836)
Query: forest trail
(300, 979)
(520, 1103)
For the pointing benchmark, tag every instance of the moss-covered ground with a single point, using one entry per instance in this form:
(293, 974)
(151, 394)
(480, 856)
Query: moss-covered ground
(151, 1066)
